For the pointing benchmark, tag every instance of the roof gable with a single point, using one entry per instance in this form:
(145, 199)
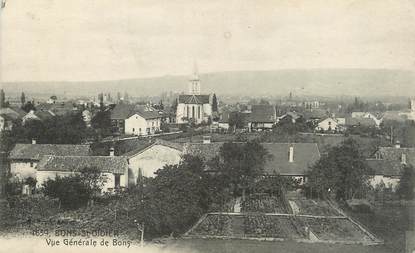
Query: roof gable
(194, 99)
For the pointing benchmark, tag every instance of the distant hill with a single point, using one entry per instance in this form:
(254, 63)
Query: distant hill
(324, 82)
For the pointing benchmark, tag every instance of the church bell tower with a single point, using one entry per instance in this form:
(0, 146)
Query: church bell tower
(194, 82)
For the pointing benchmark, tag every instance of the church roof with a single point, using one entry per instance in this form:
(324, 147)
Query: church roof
(194, 99)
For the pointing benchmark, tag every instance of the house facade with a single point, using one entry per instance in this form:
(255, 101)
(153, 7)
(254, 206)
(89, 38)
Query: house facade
(143, 122)
(138, 120)
(328, 124)
(25, 157)
(262, 117)
(148, 160)
(114, 169)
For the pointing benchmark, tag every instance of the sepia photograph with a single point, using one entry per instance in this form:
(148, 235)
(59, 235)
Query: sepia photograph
(209, 126)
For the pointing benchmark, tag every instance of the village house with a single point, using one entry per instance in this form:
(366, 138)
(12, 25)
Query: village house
(357, 122)
(289, 117)
(194, 107)
(147, 160)
(262, 117)
(139, 120)
(386, 172)
(24, 157)
(387, 162)
(8, 116)
(328, 124)
(6, 122)
(368, 115)
(114, 169)
(37, 115)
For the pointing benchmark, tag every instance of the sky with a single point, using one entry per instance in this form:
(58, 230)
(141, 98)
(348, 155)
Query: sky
(91, 40)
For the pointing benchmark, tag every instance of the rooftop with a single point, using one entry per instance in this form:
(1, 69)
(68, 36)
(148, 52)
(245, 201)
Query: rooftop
(108, 164)
(36, 151)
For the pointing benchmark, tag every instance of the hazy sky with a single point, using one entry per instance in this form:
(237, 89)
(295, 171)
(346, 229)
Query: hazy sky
(113, 39)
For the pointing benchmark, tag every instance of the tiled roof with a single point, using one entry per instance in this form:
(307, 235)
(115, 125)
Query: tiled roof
(44, 115)
(9, 117)
(360, 122)
(205, 151)
(395, 154)
(110, 164)
(394, 115)
(194, 99)
(124, 111)
(36, 151)
(11, 114)
(385, 167)
(316, 114)
(305, 155)
(263, 114)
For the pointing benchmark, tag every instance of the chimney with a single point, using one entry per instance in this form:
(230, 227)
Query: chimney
(397, 144)
(206, 139)
(403, 158)
(33, 141)
(291, 154)
(111, 151)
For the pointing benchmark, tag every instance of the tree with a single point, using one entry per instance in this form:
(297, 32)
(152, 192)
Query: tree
(102, 122)
(23, 98)
(236, 120)
(28, 106)
(214, 103)
(242, 164)
(177, 198)
(406, 185)
(2, 98)
(343, 171)
(76, 190)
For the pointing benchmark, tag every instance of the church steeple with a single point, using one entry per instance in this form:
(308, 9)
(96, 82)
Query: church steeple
(194, 81)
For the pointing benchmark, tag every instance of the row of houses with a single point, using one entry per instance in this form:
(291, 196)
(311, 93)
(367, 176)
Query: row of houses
(264, 117)
(43, 161)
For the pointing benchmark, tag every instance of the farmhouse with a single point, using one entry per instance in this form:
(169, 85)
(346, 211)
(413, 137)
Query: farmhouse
(262, 117)
(387, 172)
(147, 160)
(114, 169)
(328, 124)
(135, 119)
(24, 157)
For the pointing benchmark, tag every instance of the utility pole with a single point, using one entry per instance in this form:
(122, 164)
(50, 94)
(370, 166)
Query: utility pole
(140, 228)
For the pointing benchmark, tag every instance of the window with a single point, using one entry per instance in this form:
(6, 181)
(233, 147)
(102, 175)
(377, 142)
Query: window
(31, 164)
(133, 129)
(117, 179)
(198, 112)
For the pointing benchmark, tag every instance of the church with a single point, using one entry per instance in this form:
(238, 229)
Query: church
(194, 107)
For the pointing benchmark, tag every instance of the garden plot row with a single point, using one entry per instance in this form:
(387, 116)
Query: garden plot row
(263, 204)
(315, 207)
(279, 227)
(329, 229)
(252, 225)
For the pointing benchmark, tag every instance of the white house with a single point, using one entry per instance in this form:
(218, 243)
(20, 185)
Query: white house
(367, 115)
(153, 157)
(144, 121)
(114, 169)
(328, 124)
(386, 172)
(194, 106)
(24, 157)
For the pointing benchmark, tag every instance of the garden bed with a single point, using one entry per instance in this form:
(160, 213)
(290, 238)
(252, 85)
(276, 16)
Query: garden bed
(329, 229)
(315, 207)
(263, 204)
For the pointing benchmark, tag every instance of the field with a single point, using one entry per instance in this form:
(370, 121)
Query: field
(315, 207)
